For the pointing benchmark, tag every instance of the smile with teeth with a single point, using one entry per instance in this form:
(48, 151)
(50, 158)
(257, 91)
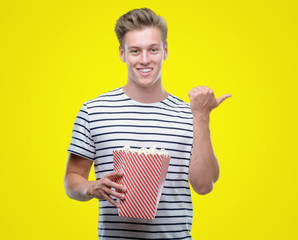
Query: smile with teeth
(145, 70)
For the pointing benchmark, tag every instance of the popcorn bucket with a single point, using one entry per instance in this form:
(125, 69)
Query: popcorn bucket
(144, 176)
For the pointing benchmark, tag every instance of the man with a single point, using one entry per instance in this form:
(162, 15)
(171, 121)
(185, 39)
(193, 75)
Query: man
(143, 114)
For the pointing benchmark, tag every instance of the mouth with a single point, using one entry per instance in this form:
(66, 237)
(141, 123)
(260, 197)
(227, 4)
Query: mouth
(145, 71)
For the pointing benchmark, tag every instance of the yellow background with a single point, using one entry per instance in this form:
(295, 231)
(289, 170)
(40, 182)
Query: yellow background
(57, 54)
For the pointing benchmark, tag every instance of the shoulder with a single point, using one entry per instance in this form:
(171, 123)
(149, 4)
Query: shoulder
(109, 96)
(178, 103)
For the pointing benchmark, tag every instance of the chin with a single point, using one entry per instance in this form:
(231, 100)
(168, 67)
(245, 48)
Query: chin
(145, 84)
(149, 82)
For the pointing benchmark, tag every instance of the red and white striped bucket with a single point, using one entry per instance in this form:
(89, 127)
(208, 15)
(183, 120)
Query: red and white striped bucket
(144, 176)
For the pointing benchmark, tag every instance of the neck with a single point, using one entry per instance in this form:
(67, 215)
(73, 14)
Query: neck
(152, 94)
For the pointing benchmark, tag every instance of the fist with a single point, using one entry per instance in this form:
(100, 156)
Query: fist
(202, 100)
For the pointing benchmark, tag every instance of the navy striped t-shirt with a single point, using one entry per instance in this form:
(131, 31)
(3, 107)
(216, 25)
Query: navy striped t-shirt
(113, 120)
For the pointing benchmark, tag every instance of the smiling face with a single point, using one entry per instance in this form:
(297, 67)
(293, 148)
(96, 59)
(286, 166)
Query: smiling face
(144, 53)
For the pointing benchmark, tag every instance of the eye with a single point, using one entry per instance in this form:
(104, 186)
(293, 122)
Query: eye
(135, 51)
(154, 50)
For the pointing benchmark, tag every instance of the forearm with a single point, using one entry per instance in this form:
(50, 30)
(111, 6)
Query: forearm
(76, 186)
(204, 167)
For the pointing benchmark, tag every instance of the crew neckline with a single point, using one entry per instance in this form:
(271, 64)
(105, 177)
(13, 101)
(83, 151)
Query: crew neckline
(134, 102)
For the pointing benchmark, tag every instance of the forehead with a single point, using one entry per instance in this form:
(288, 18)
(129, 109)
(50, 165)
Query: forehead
(143, 37)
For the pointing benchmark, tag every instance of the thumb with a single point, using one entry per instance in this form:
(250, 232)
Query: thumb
(222, 98)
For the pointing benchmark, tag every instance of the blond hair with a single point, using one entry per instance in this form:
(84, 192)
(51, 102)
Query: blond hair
(138, 19)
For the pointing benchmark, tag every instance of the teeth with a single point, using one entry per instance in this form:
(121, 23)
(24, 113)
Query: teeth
(146, 70)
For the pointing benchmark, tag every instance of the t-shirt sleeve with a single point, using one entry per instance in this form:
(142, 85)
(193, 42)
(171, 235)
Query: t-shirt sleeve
(82, 143)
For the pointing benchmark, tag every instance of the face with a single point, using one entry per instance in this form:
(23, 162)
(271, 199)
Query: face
(144, 54)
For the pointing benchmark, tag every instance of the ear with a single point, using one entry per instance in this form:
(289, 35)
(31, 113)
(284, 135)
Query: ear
(122, 54)
(166, 53)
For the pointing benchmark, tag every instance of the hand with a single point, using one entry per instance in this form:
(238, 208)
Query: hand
(102, 188)
(202, 100)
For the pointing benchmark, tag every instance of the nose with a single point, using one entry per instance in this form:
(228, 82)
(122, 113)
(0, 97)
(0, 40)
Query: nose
(144, 58)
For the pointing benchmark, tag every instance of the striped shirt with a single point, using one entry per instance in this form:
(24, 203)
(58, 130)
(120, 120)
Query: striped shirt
(113, 120)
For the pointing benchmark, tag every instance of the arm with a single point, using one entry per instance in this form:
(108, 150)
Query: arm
(76, 177)
(204, 166)
(79, 188)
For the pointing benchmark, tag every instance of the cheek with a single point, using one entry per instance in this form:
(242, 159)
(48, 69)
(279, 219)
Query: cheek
(158, 59)
(131, 61)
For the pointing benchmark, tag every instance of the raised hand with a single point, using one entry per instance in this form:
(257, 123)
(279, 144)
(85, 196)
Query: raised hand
(202, 100)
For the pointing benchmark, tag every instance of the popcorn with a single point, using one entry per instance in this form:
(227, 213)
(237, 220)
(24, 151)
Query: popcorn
(145, 171)
(152, 150)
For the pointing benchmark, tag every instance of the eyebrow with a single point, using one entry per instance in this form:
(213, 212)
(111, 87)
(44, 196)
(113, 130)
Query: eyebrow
(151, 45)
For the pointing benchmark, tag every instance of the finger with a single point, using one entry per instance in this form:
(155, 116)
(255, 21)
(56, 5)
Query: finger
(115, 174)
(193, 91)
(117, 186)
(222, 98)
(115, 194)
(111, 200)
(190, 92)
(111, 184)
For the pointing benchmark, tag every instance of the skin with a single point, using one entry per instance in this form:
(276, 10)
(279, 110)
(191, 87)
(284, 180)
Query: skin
(79, 188)
(204, 166)
(144, 48)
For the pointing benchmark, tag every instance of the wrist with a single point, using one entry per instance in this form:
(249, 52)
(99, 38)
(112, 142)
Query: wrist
(201, 123)
(88, 190)
(201, 117)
